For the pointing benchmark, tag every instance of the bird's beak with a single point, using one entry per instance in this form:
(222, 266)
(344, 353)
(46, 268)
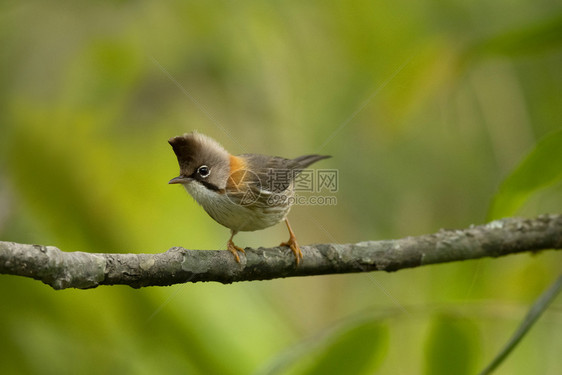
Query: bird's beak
(180, 180)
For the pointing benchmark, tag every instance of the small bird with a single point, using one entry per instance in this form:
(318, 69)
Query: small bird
(246, 192)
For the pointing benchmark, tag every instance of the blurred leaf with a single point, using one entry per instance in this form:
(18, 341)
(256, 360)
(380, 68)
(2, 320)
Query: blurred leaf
(541, 168)
(534, 313)
(451, 347)
(357, 348)
(530, 39)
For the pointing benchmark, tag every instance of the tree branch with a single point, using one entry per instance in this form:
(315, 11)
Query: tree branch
(178, 265)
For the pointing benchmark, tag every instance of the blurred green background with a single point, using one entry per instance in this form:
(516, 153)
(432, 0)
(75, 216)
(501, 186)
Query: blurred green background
(426, 107)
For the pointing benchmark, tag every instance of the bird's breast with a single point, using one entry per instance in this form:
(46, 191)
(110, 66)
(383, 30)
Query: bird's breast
(234, 213)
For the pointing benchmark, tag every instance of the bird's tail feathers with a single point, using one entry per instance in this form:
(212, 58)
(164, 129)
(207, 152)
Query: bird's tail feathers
(306, 160)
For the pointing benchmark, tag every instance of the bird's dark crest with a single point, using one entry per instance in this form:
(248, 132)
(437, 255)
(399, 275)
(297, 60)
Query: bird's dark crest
(185, 147)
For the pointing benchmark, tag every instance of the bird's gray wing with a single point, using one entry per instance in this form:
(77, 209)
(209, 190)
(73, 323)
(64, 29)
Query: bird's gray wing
(274, 173)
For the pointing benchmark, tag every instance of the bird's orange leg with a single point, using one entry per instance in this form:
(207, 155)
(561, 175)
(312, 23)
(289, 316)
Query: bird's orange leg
(292, 243)
(233, 248)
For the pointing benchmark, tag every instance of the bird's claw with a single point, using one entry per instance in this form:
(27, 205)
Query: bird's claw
(234, 250)
(295, 248)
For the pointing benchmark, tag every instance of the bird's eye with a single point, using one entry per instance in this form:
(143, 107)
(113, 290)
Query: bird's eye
(203, 171)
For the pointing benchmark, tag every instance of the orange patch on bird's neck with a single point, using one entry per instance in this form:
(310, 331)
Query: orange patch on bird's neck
(236, 163)
(237, 172)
